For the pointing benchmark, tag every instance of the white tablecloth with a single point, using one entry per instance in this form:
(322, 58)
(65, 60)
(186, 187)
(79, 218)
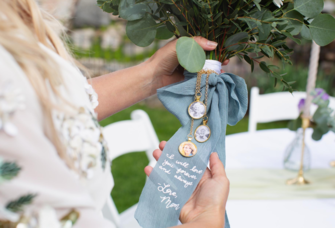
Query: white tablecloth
(265, 149)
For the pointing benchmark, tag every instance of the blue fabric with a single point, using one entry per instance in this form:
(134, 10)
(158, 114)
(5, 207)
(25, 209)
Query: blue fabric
(165, 191)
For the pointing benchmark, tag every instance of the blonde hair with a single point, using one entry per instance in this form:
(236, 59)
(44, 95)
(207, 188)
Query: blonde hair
(190, 146)
(23, 25)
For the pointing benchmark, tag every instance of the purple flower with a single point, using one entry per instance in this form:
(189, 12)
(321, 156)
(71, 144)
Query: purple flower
(322, 93)
(301, 105)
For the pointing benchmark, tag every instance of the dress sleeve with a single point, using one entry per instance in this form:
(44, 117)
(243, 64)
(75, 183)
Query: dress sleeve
(23, 140)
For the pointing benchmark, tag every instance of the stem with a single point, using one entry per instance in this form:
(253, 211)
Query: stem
(211, 55)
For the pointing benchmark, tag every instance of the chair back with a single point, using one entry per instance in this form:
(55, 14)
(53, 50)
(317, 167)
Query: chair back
(134, 135)
(276, 106)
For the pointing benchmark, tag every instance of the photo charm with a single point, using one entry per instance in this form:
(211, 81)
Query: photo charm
(202, 133)
(197, 109)
(188, 149)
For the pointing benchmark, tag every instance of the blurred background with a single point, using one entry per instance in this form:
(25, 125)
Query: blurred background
(98, 40)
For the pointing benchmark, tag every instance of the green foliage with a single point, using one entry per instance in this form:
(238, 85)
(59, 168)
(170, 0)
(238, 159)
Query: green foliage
(8, 170)
(142, 32)
(322, 29)
(18, 204)
(240, 27)
(323, 118)
(324, 121)
(190, 55)
(309, 8)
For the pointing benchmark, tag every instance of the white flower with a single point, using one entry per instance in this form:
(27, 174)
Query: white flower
(11, 100)
(93, 96)
(278, 3)
(82, 136)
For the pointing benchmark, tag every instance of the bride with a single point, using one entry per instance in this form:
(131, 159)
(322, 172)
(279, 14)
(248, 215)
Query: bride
(49, 117)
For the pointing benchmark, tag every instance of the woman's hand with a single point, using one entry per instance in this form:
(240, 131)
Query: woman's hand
(208, 201)
(131, 85)
(164, 66)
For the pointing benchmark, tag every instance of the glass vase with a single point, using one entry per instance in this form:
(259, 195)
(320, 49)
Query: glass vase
(292, 157)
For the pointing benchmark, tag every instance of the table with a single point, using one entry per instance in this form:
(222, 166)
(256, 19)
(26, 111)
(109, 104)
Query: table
(265, 149)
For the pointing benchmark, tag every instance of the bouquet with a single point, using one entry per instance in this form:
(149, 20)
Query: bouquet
(248, 29)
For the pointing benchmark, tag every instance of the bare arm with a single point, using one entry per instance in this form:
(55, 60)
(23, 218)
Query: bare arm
(121, 89)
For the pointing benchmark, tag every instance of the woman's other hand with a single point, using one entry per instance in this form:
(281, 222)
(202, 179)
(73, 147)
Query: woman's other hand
(208, 201)
(164, 66)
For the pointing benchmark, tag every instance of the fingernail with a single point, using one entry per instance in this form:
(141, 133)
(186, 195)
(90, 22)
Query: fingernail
(212, 44)
(216, 154)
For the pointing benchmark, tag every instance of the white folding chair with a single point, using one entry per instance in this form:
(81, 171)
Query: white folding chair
(276, 106)
(123, 137)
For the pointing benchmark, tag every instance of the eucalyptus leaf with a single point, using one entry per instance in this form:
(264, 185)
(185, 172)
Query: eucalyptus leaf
(309, 8)
(134, 11)
(322, 29)
(142, 32)
(163, 33)
(305, 33)
(264, 67)
(267, 51)
(295, 22)
(289, 35)
(235, 39)
(190, 54)
(265, 30)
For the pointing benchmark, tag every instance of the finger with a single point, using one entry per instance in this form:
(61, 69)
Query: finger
(148, 170)
(225, 62)
(207, 45)
(216, 166)
(162, 145)
(207, 174)
(222, 71)
(157, 153)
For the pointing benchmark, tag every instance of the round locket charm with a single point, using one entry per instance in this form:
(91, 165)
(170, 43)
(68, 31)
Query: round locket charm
(202, 133)
(197, 109)
(188, 149)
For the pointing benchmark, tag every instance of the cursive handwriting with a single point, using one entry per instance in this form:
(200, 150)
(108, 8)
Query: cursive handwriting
(194, 169)
(170, 156)
(165, 170)
(179, 170)
(167, 163)
(184, 164)
(186, 183)
(169, 203)
(166, 190)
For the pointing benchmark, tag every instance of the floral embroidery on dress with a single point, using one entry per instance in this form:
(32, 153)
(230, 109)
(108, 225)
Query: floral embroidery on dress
(15, 213)
(93, 96)
(11, 100)
(84, 141)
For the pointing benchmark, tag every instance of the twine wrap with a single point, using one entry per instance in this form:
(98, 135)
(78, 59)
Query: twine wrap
(227, 104)
(313, 70)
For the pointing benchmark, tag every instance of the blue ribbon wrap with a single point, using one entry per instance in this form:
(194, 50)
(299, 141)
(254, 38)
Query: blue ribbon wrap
(164, 193)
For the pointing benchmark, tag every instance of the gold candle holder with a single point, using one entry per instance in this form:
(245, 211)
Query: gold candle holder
(300, 179)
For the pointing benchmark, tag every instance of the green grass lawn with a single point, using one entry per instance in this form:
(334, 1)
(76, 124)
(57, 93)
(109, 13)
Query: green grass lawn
(128, 169)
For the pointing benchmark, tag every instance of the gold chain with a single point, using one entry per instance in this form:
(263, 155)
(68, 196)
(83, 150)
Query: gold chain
(206, 93)
(190, 135)
(198, 96)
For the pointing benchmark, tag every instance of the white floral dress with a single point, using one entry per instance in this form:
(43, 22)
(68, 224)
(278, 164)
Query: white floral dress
(26, 139)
